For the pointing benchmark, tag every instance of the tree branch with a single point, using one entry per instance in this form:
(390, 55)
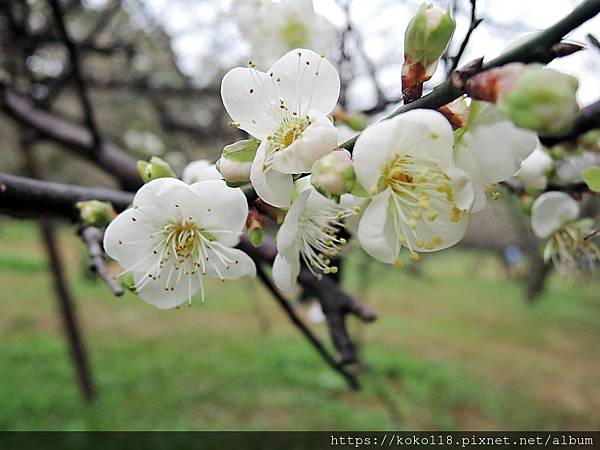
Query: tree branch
(92, 237)
(537, 49)
(474, 23)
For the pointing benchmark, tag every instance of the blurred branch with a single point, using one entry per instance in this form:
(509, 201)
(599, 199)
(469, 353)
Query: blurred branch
(51, 126)
(297, 321)
(145, 85)
(474, 23)
(587, 119)
(75, 59)
(594, 41)
(92, 237)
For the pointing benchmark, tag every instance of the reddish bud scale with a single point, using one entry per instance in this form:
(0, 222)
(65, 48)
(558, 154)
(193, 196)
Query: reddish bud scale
(494, 83)
(413, 77)
(255, 220)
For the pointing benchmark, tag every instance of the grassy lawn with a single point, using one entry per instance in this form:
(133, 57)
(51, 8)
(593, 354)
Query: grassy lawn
(454, 348)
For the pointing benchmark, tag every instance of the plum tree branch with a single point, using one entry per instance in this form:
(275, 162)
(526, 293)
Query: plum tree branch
(537, 49)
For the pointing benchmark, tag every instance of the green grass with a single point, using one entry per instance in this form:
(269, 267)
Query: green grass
(454, 348)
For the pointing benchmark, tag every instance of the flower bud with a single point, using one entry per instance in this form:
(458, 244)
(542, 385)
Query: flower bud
(255, 223)
(427, 36)
(96, 213)
(200, 170)
(236, 161)
(540, 99)
(333, 174)
(535, 169)
(156, 168)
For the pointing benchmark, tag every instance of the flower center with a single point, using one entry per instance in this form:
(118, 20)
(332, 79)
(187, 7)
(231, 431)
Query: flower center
(569, 248)
(421, 192)
(319, 237)
(291, 128)
(294, 33)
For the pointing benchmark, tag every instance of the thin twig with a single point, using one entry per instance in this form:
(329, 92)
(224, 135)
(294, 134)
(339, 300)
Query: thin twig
(75, 59)
(473, 24)
(92, 237)
(297, 321)
(594, 41)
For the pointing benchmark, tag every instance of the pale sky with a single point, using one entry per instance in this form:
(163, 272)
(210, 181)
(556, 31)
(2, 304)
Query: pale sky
(203, 39)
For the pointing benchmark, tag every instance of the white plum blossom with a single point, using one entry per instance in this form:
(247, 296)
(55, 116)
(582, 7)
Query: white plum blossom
(200, 170)
(175, 234)
(535, 169)
(286, 109)
(273, 28)
(550, 211)
(554, 217)
(309, 233)
(490, 149)
(418, 199)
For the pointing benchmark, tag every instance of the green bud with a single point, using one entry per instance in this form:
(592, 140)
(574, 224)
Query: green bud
(156, 168)
(356, 121)
(333, 174)
(591, 176)
(96, 213)
(236, 161)
(428, 34)
(127, 281)
(541, 99)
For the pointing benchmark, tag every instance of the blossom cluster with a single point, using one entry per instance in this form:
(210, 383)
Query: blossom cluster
(409, 186)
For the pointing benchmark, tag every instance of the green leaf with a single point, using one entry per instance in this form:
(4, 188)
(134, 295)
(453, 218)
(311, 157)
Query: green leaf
(591, 177)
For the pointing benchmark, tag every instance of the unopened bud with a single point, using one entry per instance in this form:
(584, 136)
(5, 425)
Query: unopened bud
(156, 168)
(356, 121)
(96, 213)
(236, 161)
(428, 34)
(255, 223)
(425, 41)
(532, 96)
(333, 174)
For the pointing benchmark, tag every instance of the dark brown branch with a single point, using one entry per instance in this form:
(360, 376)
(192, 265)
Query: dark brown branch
(297, 321)
(594, 41)
(92, 237)
(473, 24)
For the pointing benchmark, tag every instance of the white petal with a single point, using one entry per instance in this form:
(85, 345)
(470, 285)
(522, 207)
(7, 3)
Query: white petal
(534, 169)
(250, 98)
(158, 293)
(220, 210)
(164, 199)
(306, 81)
(200, 170)
(129, 242)
(229, 264)
(550, 211)
(319, 139)
(496, 146)
(442, 227)
(464, 190)
(285, 272)
(288, 232)
(275, 188)
(375, 229)
(423, 133)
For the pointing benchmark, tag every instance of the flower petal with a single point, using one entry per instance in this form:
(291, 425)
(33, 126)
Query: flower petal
(495, 145)
(288, 232)
(164, 292)
(275, 188)
(375, 229)
(550, 211)
(319, 139)
(250, 98)
(200, 170)
(423, 133)
(229, 264)
(128, 241)
(306, 81)
(286, 271)
(220, 210)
